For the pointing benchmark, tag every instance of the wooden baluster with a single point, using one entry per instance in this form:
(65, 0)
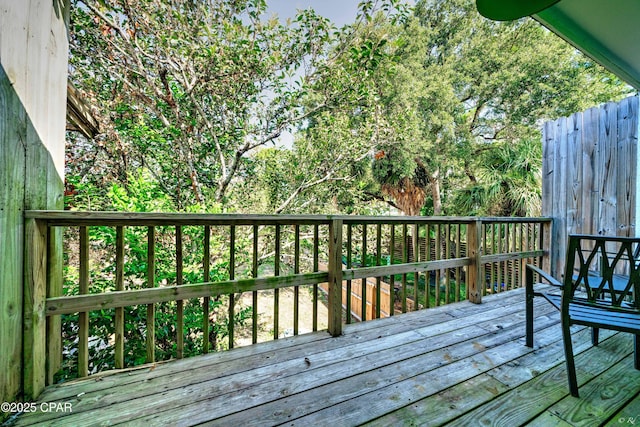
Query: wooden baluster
(151, 283)
(119, 320)
(507, 279)
(378, 259)
(498, 250)
(405, 259)
(447, 255)
(296, 289)
(83, 318)
(254, 273)
(438, 255)
(349, 265)
(545, 245)
(485, 244)
(515, 263)
(206, 302)
(458, 254)
(392, 278)
(276, 291)
(523, 261)
(54, 289)
(316, 262)
(416, 258)
(363, 282)
(179, 303)
(232, 276)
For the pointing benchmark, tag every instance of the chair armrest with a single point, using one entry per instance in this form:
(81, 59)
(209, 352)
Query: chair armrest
(546, 276)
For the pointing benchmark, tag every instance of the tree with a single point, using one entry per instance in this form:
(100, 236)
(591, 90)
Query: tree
(476, 86)
(190, 89)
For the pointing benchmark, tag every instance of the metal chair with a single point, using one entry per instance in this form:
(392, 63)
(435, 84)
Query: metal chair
(606, 299)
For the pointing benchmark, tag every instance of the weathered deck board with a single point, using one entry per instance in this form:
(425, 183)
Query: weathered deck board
(461, 364)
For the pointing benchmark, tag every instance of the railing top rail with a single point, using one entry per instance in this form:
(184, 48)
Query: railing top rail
(173, 218)
(515, 219)
(60, 218)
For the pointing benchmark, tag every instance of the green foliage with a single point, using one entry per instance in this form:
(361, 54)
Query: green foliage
(143, 194)
(509, 182)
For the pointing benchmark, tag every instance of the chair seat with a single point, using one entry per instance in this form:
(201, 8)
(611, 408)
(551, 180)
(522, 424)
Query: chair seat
(598, 316)
(603, 317)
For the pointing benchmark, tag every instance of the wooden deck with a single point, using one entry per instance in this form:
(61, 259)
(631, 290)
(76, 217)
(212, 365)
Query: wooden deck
(461, 364)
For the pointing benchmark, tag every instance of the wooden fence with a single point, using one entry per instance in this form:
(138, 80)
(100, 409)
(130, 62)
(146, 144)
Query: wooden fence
(590, 174)
(356, 250)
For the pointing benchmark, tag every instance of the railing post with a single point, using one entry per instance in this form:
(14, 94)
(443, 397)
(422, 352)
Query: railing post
(335, 278)
(35, 293)
(474, 272)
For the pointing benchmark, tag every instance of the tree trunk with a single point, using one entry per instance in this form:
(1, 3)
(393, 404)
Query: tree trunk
(435, 194)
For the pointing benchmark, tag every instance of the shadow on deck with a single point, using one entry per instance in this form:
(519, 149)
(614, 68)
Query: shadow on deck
(461, 364)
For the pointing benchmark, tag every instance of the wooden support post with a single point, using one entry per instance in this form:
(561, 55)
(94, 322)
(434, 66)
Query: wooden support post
(335, 278)
(35, 327)
(474, 270)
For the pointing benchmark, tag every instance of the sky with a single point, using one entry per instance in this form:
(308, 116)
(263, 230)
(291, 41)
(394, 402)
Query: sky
(340, 12)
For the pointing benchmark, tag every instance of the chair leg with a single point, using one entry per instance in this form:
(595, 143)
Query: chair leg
(529, 308)
(568, 356)
(636, 350)
(595, 336)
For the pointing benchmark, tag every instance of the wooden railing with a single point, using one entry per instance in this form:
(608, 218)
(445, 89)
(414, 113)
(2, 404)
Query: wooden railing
(375, 267)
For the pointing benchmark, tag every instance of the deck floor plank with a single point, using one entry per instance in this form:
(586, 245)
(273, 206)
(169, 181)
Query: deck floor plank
(600, 397)
(460, 364)
(525, 402)
(480, 390)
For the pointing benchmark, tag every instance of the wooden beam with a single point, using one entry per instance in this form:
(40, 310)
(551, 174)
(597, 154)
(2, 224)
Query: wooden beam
(81, 303)
(474, 271)
(335, 278)
(79, 115)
